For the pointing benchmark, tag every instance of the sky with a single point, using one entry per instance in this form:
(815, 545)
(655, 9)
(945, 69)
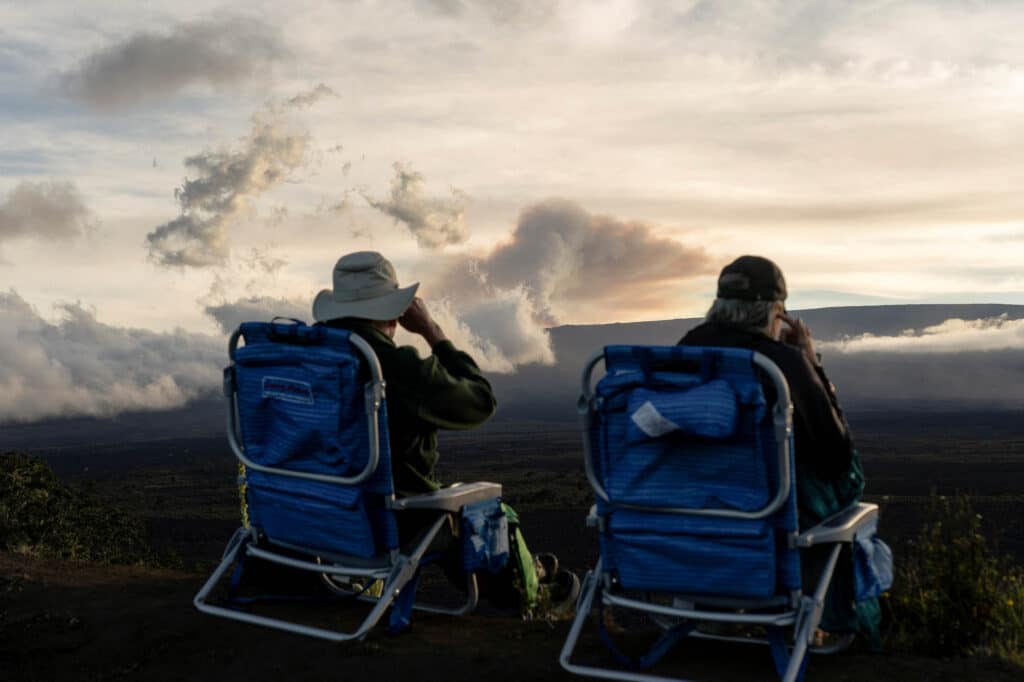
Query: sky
(169, 170)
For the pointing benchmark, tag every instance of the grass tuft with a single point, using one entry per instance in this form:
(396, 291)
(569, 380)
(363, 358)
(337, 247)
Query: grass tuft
(953, 594)
(41, 516)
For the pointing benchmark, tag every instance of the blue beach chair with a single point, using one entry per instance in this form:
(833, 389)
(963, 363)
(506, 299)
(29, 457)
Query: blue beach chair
(307, 418)
(689, 452)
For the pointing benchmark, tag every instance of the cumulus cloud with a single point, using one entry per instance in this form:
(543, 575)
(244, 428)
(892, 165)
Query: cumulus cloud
(304, 100)
(190, 240)
(500, 332)
(563, 255)
(80, 366)
(44, 210)
(434, 221)
(560, 257)
(225, 181)
(149, 66)
(952, 336)
(228, 315)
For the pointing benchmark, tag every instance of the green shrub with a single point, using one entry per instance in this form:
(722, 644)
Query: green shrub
(1007, 639)
(40, 515)
(953, 596)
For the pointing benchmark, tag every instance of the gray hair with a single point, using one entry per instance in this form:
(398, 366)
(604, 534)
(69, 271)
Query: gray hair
(754, 316)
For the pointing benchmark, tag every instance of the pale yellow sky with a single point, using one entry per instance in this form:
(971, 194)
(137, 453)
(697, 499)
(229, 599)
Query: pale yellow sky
(873, 149)
(860, 145)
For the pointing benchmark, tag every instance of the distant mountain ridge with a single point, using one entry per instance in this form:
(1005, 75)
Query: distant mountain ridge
(827, 324)
(874, 381)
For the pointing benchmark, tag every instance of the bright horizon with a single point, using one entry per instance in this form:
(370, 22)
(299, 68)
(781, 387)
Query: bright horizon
(165, 173)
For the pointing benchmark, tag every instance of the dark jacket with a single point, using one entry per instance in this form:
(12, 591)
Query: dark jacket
(829, 476)
(443, 391)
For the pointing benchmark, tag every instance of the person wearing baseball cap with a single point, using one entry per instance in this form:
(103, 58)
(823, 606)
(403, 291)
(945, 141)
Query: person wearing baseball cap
(749, 312)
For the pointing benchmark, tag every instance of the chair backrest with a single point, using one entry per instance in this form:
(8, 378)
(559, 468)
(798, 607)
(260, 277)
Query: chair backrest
(307, 418)
(691, 461)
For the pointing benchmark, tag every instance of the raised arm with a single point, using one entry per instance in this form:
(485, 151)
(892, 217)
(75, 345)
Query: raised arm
(453, 393)
(826, 435)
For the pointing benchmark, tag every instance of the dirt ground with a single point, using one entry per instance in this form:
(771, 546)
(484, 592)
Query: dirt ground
(68, 621)
(74, 621)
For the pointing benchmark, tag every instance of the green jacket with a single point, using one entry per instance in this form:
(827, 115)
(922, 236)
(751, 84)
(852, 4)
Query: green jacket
(443, 391)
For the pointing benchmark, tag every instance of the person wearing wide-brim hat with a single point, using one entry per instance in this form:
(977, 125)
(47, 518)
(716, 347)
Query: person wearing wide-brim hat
(444, 390)
(365, 286)
(749, 312)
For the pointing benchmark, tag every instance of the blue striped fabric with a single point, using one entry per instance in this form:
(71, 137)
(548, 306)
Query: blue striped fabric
(708, 410)
(320, 517)
(301, 407)
(736, 470)
(647, 552)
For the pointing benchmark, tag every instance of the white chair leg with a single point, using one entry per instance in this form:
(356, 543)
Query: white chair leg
(808, 624)
(403, 570)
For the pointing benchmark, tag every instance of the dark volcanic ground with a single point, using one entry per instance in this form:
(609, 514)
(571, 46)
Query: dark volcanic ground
(68, 621)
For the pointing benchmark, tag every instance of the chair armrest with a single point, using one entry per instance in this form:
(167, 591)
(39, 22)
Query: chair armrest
(841, 527)
(450, 499)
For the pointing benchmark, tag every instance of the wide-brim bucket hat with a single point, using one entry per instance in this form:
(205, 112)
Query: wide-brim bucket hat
(365, 286)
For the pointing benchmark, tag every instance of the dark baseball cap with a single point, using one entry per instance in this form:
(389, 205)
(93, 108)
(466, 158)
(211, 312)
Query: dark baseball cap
(752, 278)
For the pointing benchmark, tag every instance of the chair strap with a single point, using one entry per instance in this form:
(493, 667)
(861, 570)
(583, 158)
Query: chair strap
(646, 360)
(236, 575)
(298, 333)
(661, 646)
(781, 654)
(401, 608)
(708, 365)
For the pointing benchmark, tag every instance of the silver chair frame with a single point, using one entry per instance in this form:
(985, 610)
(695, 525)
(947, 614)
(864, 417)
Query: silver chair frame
(803, 612)
(396, 569)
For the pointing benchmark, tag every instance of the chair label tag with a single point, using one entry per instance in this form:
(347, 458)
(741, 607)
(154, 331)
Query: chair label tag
(651, 422)
(289, 390)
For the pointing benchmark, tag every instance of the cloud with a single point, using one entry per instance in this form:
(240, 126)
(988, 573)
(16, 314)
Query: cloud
(237, 291)
(893, 37)
(262, 261)
(563, 256)
(434, 221)
(952, 336)
(521, 12)
(80, 366)
(334, 208)
(189, 240)
(44, 210)
(304, 100)
(500, 331)
(560, 258)
(225, 180)
(229, 315)
(150, 66)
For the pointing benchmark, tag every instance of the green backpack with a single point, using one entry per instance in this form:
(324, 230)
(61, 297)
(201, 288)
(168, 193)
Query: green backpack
(524, 573)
